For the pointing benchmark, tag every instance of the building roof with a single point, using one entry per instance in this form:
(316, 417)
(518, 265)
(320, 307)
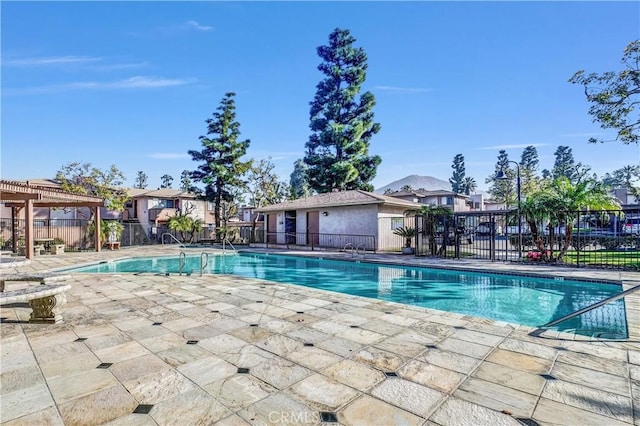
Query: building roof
(336, 199)
(426, 193)
(44, 195)
(159, 193)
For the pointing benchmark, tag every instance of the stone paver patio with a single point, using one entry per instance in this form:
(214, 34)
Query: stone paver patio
(152, 349)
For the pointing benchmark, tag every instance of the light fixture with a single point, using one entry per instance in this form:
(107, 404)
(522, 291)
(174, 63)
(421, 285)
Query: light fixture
(325, 213)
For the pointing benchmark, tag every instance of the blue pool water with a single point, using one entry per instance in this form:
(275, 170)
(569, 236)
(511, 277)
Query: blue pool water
(516, 299)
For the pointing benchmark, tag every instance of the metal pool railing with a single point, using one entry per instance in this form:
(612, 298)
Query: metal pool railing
(319, 240)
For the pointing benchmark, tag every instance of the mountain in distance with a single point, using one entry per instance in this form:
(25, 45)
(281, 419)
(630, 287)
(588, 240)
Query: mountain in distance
(416, 182)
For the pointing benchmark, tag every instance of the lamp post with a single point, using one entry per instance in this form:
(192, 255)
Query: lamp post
(501, 175)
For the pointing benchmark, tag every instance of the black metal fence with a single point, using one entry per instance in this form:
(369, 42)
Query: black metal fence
(603, 239)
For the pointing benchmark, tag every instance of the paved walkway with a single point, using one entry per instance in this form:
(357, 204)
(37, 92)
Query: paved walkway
(148, 349)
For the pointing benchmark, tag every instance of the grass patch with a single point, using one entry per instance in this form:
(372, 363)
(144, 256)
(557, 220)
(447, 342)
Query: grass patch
(627, 259)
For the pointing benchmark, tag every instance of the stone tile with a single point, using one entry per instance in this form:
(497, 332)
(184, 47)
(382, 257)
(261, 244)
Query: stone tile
(64, 350)
(107, 340)
(133, 323)
(510, 377)
(449, 360)
(47, 417)
(207, 370)
(457, 412)
(279, 344)
(382, 327)
(349, 319)
(180, 324)
(239, 391)
(496, 397)
(528, 348)
(594, 400)
(25, 401)
(464, 348)
(595, 349)
(161, 343)
(252, 334)
(248, 356)
(279, 409)
(380, 359)
(431, 375)
(70, 365)
(158, 386)
(371, 411)
(133, 420)
(361, 335)
(223, 343)
(179, 355)
(98, 407)
(121, 352)
(520, 361)
(137, 367)
(617, 368)
(147, 332)
(477, 337)
(306, 334)
(324, 394)
(591, 378)
(552, 412)
(280, 372)
(68, 387)
(313, 358)
(329, 327)
(14, 380)
(399, 320)
(51, 339)
(411, 396)
(339, 346)
(355, 374)
(401, 346)
(233, 420)
(17, 361)
(195, 407)
(491, 328)
(634, 357)
(201, 332)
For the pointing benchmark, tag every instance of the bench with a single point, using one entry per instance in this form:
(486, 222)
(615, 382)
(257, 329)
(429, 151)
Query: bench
(113, 245)
(57, 248)
(45, 301)
(40, 278)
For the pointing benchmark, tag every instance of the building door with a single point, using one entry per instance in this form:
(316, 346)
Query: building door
(272, 226)
(313, 228)
(135, 209)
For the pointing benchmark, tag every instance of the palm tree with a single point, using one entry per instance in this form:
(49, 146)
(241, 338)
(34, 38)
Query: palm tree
(407, 233)
(560, 201)
(186, 225)
(431, 214)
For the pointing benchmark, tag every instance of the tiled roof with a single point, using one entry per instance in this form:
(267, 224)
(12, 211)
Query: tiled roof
(342, 198)
(159, 193)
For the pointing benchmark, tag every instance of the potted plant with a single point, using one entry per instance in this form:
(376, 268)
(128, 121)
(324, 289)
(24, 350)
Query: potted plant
(407, 233)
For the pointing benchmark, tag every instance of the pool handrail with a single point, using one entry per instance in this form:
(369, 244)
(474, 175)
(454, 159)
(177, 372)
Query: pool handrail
(174, 238)
(588, 308)
(181, 262)
(226, 241)
(344, 249)
(364, 250)
(204, 264)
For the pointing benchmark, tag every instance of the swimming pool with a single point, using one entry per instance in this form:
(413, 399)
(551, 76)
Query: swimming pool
(511, 298)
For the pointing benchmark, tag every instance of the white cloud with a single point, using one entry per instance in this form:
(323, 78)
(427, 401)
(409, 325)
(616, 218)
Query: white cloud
(400, 90)
(199, 27)
(123, 66)
(53, 60)
(169, 156)
(513, 146)
(137, 82)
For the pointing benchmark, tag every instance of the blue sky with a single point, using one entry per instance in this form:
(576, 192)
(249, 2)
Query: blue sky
(131, 83)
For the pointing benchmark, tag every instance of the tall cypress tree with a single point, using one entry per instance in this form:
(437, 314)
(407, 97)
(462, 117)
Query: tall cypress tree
(298, 180)
(457, 180)
(221, 169)
(503, 189)
(564, 165)
(528, 170)
(337, 152)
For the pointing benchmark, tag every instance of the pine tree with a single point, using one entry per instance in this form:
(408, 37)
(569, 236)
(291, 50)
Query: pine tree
(457, 180)
(337, 151)
(528, 170)
(298, 180)
(166, 181)
(503, 189)
(185, 181)
(564, 165)
(221, 169)
(141, 180)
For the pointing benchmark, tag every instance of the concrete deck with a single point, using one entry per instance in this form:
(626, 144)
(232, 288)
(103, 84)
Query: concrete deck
(148, 349)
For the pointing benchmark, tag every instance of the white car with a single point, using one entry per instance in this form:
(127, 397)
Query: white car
(631, 225)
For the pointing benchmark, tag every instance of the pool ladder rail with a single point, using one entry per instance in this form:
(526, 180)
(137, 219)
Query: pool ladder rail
(224, 248)
(172, 238)
(354, 251)
(591, 307)
(204, 262)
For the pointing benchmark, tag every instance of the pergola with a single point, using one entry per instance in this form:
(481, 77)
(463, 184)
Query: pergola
(24, 195)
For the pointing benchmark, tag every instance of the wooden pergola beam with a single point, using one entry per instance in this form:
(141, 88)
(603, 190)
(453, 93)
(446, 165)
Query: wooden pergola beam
(56, 204)
(19, 196)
